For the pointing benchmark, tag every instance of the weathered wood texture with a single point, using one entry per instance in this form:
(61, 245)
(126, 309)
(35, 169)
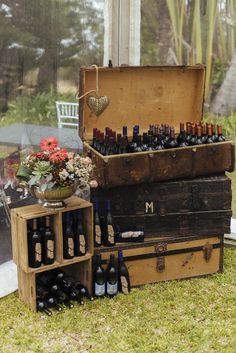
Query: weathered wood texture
(20, 218)
(144, 95)
(161, 260)
(27, 282)
(176, 208)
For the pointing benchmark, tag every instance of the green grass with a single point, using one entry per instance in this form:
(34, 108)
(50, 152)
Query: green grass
(197, 315)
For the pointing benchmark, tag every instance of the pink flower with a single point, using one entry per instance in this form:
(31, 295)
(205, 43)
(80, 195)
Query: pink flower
(93, 184)
(48, 144)
(59, 155)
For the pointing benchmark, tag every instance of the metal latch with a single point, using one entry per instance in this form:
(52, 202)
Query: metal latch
(160, 248)
(207, 251)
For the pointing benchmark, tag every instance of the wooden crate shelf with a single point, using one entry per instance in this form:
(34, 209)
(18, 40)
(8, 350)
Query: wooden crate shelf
(80, 271)
(20, 218)
(79, 267)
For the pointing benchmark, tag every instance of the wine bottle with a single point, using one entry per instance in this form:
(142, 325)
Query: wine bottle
(182, 137)
(193, 135)
(204, 136)
(209, 134)
(145, 141)
(80, 236)
(102, 148)
(83, 291)
(199, 135)
(41, 306)
(122, 146)
(133, 143)
(130, 236)
(75, 295)
(220, 137)
(188, 133)
(99, 278)
(150, 145)
(97, 225)
(34, 246)
(111, 278)
(214, 136)
(68, 237)
(109, 238)
(124, 281)
(172, 142)
(62, 298)
(48, 241)
(138, 147)
(52, 302)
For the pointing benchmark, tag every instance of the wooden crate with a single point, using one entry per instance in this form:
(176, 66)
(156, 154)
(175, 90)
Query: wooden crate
(168, 259)
(27, 282)
(143, 96)
(20, 218)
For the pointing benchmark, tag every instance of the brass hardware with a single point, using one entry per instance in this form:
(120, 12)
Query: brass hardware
(160, 248)
(207, 251)
(173, 154)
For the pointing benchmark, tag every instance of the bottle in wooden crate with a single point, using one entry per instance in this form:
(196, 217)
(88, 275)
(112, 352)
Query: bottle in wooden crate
(48, 243)
(34, 245)
(79, 235)
(68, 237)
(109, 232)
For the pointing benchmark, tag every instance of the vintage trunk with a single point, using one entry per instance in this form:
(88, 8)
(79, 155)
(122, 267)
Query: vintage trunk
(167, 259)
(183, 207)
(143, 96)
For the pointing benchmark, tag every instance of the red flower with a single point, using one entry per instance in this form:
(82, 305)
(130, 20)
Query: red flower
(59, 155)
(48, 144)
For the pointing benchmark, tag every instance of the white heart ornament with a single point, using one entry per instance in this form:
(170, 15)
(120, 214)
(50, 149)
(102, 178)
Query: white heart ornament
(97, 104)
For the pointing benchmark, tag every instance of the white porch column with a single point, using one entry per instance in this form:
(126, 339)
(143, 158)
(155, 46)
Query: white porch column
(122, 32)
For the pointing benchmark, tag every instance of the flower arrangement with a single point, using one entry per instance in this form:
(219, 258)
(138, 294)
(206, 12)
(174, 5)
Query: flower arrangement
(55, 167)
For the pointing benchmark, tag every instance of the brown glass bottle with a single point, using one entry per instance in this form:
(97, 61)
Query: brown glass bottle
(220, 137)
(193, 138)
(199, 135)
(188, 133)
(209, 134)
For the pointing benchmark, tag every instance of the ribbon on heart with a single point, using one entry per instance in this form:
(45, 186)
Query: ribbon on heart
(96, 103)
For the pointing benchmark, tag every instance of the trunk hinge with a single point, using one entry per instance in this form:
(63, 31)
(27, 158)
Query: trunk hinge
(207, 251)
(160, 248)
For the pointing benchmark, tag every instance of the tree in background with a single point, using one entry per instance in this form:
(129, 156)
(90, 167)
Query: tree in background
(195, 31)
(46, 35)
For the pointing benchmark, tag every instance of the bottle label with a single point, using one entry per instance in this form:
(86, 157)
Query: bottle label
(98, 234)
(124, 285)
(99, 289)
(131, 234)
(71, 246)
(38, 252)
(50, 249)
(112, 289)
(82, 243)
(111, 234)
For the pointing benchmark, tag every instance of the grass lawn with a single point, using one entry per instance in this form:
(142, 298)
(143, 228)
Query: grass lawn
(197, 315)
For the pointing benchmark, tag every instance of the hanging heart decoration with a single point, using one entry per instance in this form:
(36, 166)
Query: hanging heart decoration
(97, 104)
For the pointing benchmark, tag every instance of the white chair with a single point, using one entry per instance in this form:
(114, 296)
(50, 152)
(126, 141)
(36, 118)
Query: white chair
(67, 114)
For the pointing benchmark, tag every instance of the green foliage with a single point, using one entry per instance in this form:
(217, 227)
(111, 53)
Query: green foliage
(39, 109)
(187, 316)
(228, 124)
